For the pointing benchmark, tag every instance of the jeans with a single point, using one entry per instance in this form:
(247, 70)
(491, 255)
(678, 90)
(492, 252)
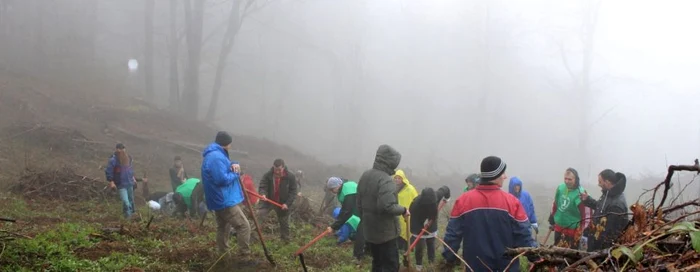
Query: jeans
(422, 244)
(232, 217)
(126, 194)
(385, 256)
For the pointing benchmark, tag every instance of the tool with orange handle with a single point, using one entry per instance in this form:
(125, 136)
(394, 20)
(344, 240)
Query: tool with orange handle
(423, 231)
(302, 249)
(263, 199)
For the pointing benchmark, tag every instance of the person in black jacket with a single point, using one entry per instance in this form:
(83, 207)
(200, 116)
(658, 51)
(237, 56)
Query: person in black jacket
(347, 195)
(279, 185)
(178, 175)
(424, 208)
(610, 214)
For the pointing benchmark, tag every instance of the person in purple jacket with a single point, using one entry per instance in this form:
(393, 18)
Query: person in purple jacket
(120, 175)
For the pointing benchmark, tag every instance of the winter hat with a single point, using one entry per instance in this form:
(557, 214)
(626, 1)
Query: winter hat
(492, 167)
(223, 138)
(334, 182)
(120, 146)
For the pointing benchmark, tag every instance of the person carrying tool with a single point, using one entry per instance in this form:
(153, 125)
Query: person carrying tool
(224, 195)
(515, 188)
(178, 175)
(569, 215)
(282, 186)
(349, 229)
(379, 209)
(611, 208)
(487, 220)
(406, 193)
(472, 180)
(120, 175)
(424, 209)
(347, 195)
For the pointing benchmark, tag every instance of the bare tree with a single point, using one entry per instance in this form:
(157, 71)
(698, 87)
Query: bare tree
(581, 78)
(173, 48)
(235, 21)
(148, 47)
(194, 22)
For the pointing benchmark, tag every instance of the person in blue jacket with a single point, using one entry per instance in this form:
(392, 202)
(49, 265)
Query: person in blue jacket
(120, 175)
(223, 194)
(348, 230)
(515, 188)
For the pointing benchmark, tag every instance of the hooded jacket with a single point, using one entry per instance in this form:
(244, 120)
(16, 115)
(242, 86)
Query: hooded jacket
(221, 186)
(405, 195)
(609, 214)
(123, 176)
(287, 187)
(486, 221)
(524, 197)
(377, 198)
(424, 208)
(569, 215)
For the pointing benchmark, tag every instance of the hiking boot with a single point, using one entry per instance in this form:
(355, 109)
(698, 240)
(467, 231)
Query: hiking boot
(419, 267)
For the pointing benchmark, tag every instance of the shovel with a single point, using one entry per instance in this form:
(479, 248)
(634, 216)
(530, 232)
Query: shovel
(301, 250)
(257, 226)
(424, 230)
(407, 255)
(263, 199)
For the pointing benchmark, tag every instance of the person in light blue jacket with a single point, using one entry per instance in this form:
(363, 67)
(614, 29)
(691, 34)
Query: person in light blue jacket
(515, 188)
(223, 193)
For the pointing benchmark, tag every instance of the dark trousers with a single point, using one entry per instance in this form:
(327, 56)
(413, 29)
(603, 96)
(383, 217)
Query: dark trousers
(402, 243)
(424, 243)
(566, 241)
(282, 218)
(385, 256)
(358, 250)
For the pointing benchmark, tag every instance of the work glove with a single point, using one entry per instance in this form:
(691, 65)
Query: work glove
(535, 227)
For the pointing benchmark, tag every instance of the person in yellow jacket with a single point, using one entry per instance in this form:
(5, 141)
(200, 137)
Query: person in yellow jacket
(405, 194)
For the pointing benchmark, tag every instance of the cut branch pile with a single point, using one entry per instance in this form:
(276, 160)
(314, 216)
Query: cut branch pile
(659, 238)
(61, 184)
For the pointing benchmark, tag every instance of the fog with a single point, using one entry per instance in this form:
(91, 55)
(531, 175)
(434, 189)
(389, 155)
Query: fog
(543, 84)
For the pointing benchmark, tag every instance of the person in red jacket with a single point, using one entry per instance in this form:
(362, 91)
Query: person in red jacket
(486, 221)
(250, 186)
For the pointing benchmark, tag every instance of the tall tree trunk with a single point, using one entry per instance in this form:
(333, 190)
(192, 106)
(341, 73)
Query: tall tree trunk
(148, 48)
(234, 25)
(583, 82)
(173, 47)
(195, 21)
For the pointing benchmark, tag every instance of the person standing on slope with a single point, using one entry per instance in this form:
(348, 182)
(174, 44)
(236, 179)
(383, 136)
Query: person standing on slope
(224, 195)
(424, 209)
(515, 188)
(472, 180)
(120, 175)
(281, 185)
(379, 210)
(406, 193)
(610, 210)
(486, 221)
(569, 215)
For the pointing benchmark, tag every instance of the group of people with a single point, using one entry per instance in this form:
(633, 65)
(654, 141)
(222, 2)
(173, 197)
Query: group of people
(376, 211)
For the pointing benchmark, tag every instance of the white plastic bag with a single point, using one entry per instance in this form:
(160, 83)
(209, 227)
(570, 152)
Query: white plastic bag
(153, 205)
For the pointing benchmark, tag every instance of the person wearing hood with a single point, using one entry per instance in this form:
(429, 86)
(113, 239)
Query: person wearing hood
(610, 214)
(424, 209)
(347, 195)
(281, 185)
(472, 180)
(515, 188)
(406, 193)
(349, 229)
(486, 221)
(223, 193)
(379, 208)
(569, 215)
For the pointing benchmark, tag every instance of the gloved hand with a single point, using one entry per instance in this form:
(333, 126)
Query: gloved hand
(535, 227)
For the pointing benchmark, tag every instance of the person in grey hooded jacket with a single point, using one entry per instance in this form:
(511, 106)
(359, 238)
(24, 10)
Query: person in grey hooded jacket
(378, 206)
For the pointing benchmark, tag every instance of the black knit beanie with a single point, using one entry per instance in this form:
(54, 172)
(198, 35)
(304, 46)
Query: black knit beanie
(223, 138)
(492, 167)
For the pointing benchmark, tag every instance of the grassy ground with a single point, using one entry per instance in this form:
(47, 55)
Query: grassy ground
(72, 237)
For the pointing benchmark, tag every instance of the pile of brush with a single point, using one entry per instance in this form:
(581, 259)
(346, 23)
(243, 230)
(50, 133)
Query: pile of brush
(60, 184)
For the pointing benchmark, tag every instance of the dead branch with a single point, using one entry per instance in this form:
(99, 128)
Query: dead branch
(667, 182)
(7, 219)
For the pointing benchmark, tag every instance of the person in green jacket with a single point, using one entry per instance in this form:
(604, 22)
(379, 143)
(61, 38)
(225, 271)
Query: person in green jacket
(347, 196)
(188, 197)
(472, 180)
(569, 215)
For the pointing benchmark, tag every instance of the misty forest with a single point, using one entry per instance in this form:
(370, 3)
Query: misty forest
(544, 85)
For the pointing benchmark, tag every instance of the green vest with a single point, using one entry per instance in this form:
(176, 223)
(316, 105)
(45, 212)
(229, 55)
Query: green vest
(186, 189)
(349, 188)
(353, 221)
(567, 201)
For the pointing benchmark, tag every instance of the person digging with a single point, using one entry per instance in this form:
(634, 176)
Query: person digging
(281, 185)
(347, 195)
